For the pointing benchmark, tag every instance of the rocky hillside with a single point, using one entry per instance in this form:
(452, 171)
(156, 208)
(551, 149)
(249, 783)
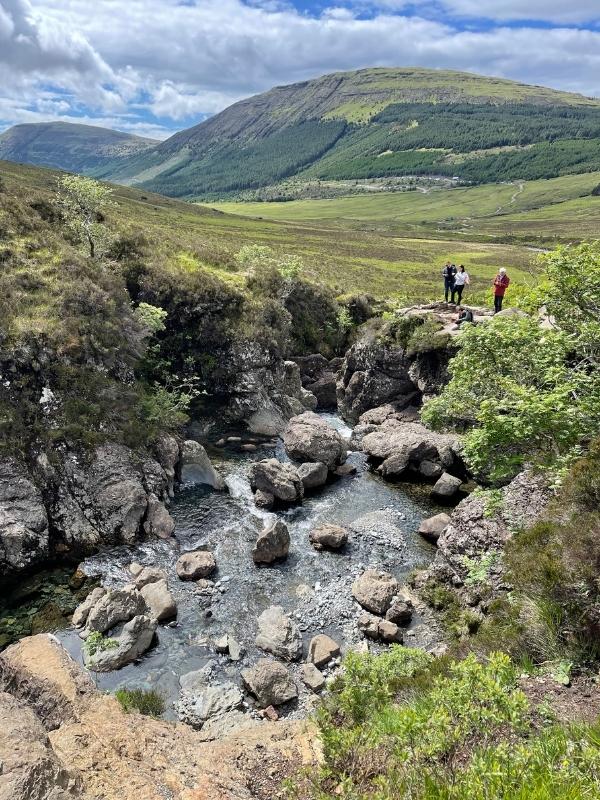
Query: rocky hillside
(68, 146)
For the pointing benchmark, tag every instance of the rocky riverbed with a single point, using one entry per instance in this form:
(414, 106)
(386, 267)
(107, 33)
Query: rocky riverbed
(312, 586)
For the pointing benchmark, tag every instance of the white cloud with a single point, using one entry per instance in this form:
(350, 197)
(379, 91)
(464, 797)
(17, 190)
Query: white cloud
(137, 60)
(560, 11)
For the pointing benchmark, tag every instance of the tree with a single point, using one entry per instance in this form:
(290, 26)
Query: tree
(83, 202)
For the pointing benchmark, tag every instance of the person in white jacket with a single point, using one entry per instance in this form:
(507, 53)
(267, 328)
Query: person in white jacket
(461, 279)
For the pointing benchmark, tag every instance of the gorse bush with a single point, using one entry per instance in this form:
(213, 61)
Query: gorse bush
(404, 726)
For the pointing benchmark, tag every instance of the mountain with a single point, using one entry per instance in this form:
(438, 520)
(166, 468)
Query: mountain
(374, 123)
(371, 123)
(69, 146)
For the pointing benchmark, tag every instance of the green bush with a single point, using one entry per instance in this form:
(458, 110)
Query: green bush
(412, 728)
(147, 701)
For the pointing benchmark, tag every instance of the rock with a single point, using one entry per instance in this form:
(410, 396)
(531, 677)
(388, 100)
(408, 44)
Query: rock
(159, 600)
(319, 377)
(195, 564)
(168, 455)
(272, 544)
(446, 487)
(201, 700)
(344, 470)
(158, 521)
(205, 585)
(278, 635)
(264, 499)
(222, 644)
(400, 612)
(278, 479)
(270, 682)
(312, 677)
(330, 537)
(30, 769)
(135, 568)
(375, 590)
(430, 470)
(133, 641)
(322, 649)
(111, 608)
(313, 474)
(309, 438)
(197, 466)
(379, 629)
(227, 645)
(402, 447)
(270, 713)
(148, 575)
(249, 448)
(433, 527)
(389, 631)
(325, 390)
(82, 611)
(24, 536)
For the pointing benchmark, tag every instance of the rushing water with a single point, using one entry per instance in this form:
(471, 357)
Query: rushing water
(314, 586)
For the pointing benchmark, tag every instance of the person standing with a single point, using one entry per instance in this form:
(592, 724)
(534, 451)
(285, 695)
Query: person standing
(500, 285)
(461, 279)
(448, 273)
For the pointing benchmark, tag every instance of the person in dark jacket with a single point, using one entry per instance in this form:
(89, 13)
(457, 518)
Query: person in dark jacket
(500, 285)
(448, 274)
(464, 315)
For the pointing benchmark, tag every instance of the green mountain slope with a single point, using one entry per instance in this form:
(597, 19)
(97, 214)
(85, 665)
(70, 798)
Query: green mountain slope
(377, 123)
(76, 148)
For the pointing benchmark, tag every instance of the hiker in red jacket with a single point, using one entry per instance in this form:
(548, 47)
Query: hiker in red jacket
(500, 285)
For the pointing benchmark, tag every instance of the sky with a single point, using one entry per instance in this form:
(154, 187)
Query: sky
(153, 67)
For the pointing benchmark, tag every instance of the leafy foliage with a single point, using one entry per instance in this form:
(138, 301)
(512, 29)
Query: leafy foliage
(431, 730)
(96, 642)
(147, 701)
(82, 202)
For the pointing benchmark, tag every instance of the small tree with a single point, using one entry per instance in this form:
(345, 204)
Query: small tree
(82, 202)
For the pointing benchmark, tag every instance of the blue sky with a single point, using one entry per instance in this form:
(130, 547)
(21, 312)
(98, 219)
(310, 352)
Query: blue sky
(155, 66)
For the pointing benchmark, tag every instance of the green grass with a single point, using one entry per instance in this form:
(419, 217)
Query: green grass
(146, 701)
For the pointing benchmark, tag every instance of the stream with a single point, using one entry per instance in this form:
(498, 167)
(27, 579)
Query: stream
(314, 587)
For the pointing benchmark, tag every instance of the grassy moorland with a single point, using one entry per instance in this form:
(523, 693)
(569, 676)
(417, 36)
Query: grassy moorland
(371, 258)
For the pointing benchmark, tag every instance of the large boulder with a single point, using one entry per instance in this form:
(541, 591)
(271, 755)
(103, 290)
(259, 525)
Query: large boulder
(272, 544)
(197, 466)
(432, 527)
(313, 474)
(201, 699)
(270, 682)
(280, 480)
(308, 437)
(159, 600)
(375, 590)
(328, 537)
(278, 635)
(319, 376)
(195, 564)
(24, 537)
(158, 521)
(133, 641)
(411, 448)
(446, 488)
(111, 608)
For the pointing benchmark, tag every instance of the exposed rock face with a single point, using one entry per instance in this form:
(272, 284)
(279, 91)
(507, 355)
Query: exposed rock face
(278, 635)
(330, 537)
(272, 544)
(135, 638)
(374, 373)
(263, 390)
(309, 438)
(322, 649)
(30, 769)
(270, 682)
(319, 376)
(375, 590)
(472, 531)
(195, 564)
(168, 455)
(313, 474)
(405, 448)
(80, 743)
(198, 467)
(278, 479)
(24, 538)
(82, 611)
